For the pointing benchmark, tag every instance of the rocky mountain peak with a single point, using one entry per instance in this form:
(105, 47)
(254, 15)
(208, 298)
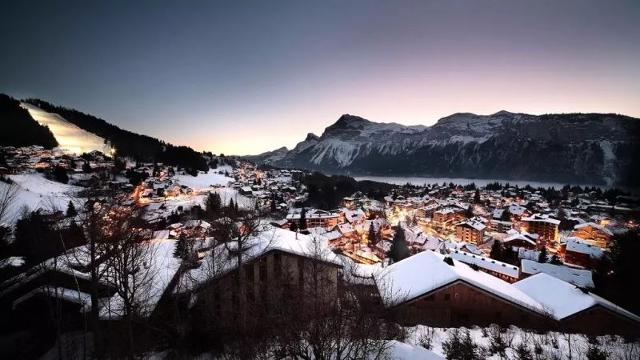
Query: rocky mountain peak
(311, 136)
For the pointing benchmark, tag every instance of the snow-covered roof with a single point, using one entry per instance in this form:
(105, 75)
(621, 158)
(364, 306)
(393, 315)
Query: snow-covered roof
(12, 261)
(426, 271)
(524, 236)
(542, 218)
(578, 277)
(566, 299)
(576, 244)
(595, 226)
(517, 209)
(74, 296)
(345, 228)
(486, 263)
(474, 224)
(270, 238)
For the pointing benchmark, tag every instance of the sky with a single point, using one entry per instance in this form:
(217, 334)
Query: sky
(243, 77)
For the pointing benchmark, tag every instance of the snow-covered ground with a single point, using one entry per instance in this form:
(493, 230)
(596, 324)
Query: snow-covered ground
(553, 345)
(214, 177)
(36, 192)
(69, 136)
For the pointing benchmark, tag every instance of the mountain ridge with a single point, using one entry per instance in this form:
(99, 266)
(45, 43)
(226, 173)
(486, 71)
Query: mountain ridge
(572, 147)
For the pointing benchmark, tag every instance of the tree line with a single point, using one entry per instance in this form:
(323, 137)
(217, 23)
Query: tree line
(19, 128)
(140, 147)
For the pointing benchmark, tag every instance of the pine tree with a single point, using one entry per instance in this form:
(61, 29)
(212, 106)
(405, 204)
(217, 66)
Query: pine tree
(71, 210)
(476, 197)
(213, 206)
(372, 235)
(180, 248)
(231, 207)
(399, 249)
(86, 167)
(542, 258)
(303, 219)
(496, 250)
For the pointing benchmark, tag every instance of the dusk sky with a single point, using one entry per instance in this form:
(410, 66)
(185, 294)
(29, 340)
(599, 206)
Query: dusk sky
(243, 77)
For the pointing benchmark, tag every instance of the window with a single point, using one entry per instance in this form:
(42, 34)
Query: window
(447, 297)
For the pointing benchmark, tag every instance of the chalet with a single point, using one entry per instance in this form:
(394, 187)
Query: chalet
(430, 288)
(313, 217)
(546, 228)
(500, 226)
(277, 267)
(447, 216)
(471, 231)
(521, 240)
(578, 310)
(599, 234)
(246, 190)
(579, 252)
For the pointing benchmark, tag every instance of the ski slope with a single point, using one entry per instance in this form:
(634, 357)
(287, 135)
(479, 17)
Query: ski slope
(70, 137)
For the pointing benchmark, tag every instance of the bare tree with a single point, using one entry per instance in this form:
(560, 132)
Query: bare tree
(129, 269)
(8, 195)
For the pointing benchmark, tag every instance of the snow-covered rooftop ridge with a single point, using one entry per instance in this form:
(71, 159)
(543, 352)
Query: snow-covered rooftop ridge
(579, 245)
(473, 223)
(542, 218)
(426, 271)
(578, 277)
(81, 298)
(595, 226)
(567, 299)
(486, 263)
(220, 261)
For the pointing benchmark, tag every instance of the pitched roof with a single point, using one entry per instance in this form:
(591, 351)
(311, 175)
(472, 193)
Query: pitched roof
(424, 272)
(567, 299)
(578, 277)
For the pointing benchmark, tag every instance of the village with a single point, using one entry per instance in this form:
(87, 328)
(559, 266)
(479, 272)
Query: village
(441, 254)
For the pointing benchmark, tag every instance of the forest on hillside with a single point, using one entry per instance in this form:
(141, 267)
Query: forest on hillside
(19, 128)
(127, 143)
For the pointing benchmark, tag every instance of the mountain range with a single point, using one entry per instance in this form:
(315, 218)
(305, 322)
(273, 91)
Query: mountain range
(570, 148)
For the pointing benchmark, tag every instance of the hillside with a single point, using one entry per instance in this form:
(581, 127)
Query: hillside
(575, 148)
(19, 128)
(69, 136)
(127, 143)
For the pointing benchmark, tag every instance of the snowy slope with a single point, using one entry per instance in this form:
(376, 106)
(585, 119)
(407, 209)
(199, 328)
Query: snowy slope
(36, 192)
(69, 136)
(205, 180)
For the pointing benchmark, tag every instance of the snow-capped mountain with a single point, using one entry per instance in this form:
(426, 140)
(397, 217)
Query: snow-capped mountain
(577, 148)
